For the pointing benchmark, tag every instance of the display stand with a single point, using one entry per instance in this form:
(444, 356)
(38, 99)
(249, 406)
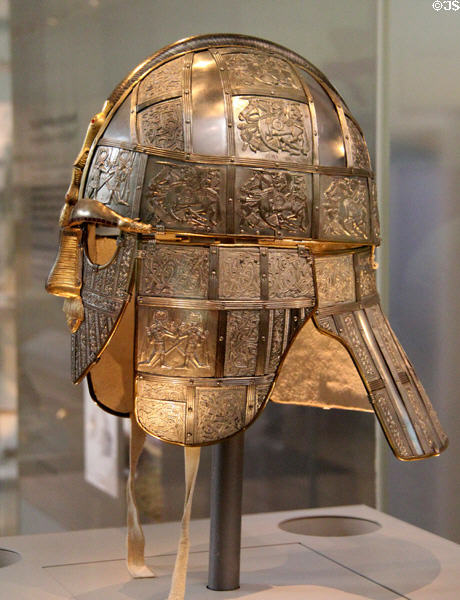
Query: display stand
(226, 499)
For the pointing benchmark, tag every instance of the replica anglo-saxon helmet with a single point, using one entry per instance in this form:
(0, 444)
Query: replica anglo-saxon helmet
(242, 190)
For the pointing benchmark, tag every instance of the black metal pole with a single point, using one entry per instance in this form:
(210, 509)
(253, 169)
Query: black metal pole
(226, 497)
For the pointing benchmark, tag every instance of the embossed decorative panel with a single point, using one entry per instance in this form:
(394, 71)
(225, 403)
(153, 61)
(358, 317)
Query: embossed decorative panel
(221, 412)
(105, 291)
(173, 271)
(365, 274)
(261, 71)
(176, 341)
(183, 197)
(359, 150)
(165, 81)
(239, 273)
(162, 418)
(241, 343)
(274, 202)
(335, 279)
(161, 125)
(272, 128)
(114, 177)
(289, 275)
(344, 209)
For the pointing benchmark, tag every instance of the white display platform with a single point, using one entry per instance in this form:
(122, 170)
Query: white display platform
(396, 561)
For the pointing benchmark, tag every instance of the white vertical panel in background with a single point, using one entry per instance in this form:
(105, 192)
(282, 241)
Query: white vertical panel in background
(424, 243)
(102, 448)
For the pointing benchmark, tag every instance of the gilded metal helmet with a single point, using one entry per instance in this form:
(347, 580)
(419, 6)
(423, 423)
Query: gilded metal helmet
(242, 190)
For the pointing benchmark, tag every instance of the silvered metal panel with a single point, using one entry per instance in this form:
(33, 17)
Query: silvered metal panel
(176, 342)
(272, 202)
(118, 129)
(420, 417)
(272, 129)
(221, 412)
(276, 335)
(115, 179)
(374, 210)
(261, 396)
(239, 273)
(365, 274)
(390, 385)
(261, 73)
(209, 126)
(184, 197)
(290, 275)
(161, 125)
(344, 209)
(328, 324)
(359, 150)
(173, 271)
(385, 411)
(347, 328)
(161, 409)
(418, 387)
(251, 408)
(331, 142)
(335, 279)
(242, 339)
(105, 292)
(163, 82)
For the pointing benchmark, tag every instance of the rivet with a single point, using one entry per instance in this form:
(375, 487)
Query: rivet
(230, 199)
(250, 406)
(241, 230)
(213, 273)
(257, 232)
(221, 338)
(189, 434)
(187, 92)
(230, 125)
(296, 319)
(190, 409)
(187, 120)
(347, 137)
(264, 276)
(232, 160)
(315, 133)
(187, 156)
(263, 338)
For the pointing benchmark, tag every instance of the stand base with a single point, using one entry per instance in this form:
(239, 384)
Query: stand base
(395, 562)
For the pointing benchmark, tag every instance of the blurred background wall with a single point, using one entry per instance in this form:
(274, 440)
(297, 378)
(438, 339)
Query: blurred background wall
(66, 57)
(423, 240)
